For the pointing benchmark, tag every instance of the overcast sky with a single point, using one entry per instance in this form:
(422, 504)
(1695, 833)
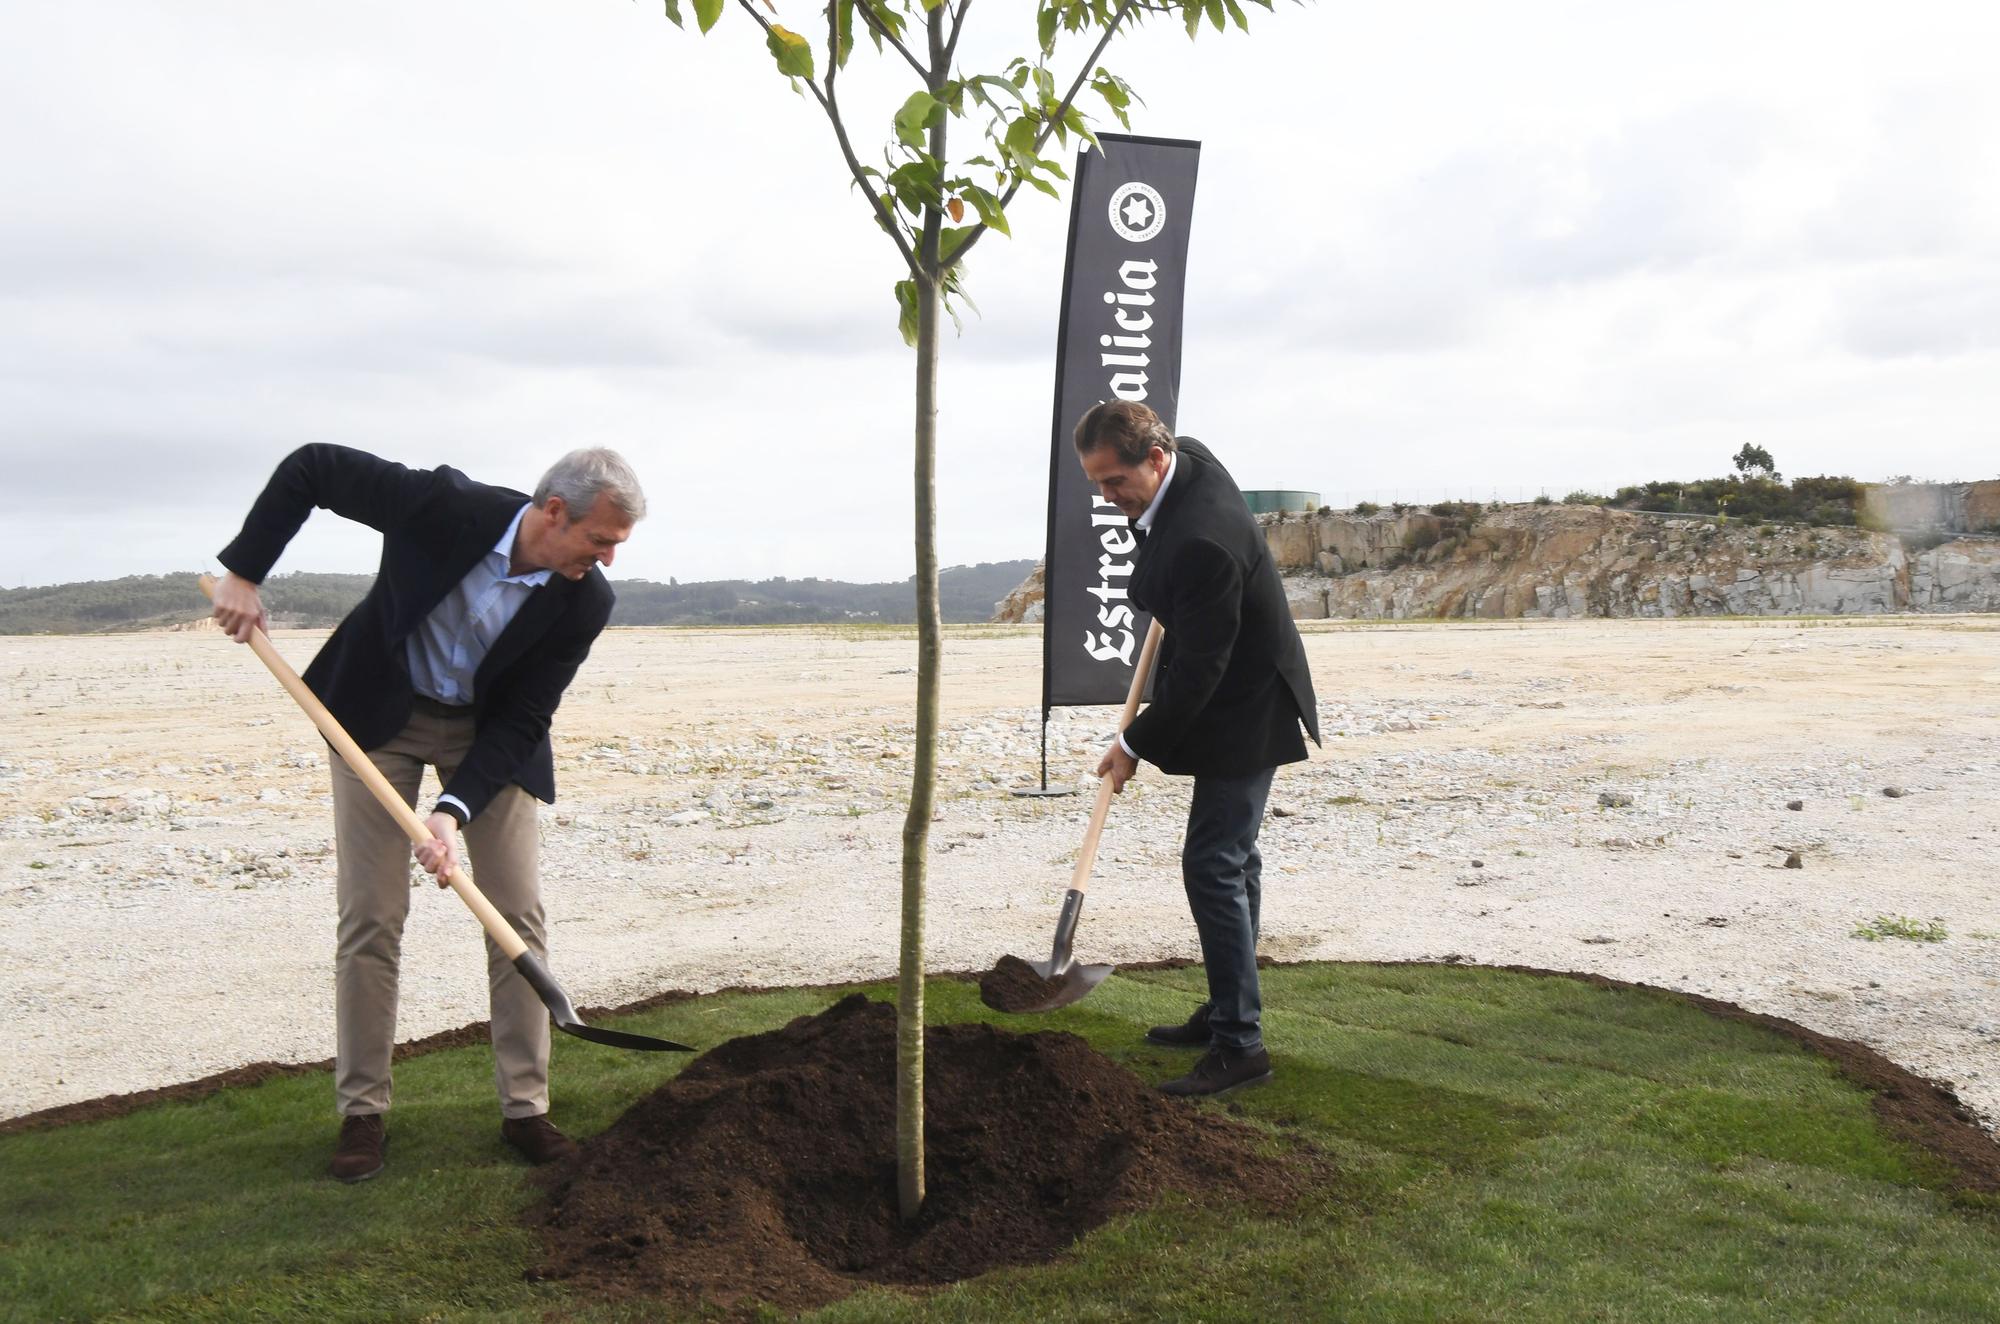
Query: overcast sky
(1440, 249)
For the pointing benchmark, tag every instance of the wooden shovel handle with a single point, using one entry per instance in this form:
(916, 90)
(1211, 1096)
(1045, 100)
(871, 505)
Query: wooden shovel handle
(491, 920)
(1087, 856)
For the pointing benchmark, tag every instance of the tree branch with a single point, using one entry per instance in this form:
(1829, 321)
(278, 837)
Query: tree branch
(951, 43)
(765, 24)
(882, 215)
(1082, 76)
(875, 24)
(1069, 97)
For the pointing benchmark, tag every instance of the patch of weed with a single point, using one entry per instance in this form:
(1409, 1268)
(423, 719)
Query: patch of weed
(1900, 926)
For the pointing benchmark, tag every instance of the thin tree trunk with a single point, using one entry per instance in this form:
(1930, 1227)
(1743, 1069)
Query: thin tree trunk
(923, 786)
(930, 651)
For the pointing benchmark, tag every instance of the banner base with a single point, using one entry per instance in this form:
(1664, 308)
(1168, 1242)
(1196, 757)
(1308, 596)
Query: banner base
(1041, 792)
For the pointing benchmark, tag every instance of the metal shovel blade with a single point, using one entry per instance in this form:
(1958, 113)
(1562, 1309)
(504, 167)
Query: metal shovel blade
(563, 1012)
(620, 1039)
(1072, 982)
(1072, 985)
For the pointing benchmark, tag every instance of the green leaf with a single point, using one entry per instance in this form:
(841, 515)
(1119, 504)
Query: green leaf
(989, 209)
(844, 26)
(1004, 86)
(951, 237)
(954, 287)
(706, 12)
(1216, 17)
(1193, 17)
(674, 12)
(1116, 95)
(1020, 139)
(906, 307)
(1236, 13)
(1045, 29)
(792, 52)
(953, 294)
(888, 19)
(911, 119)
(916, 184)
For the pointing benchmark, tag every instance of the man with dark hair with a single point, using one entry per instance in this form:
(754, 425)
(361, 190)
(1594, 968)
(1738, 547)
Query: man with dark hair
(485, 605)
(1230, 690)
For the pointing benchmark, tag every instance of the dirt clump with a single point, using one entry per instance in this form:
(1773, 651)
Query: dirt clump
(1013, 986)
(765, 1172)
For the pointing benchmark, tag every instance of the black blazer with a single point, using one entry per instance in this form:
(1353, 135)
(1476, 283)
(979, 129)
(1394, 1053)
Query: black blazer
(1230, 685)
(435, 526)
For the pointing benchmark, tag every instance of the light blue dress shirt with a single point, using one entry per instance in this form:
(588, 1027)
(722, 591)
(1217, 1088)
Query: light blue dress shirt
(446, 650)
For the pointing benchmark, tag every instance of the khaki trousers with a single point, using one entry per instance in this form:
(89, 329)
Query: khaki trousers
(375, 871)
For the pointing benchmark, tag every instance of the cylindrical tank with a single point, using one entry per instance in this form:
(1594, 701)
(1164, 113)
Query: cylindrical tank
(1265, 500)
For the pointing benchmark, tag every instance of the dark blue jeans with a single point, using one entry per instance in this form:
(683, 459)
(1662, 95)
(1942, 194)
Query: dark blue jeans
(1222, 872)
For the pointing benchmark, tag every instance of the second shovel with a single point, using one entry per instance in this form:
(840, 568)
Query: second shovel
(1071, 980)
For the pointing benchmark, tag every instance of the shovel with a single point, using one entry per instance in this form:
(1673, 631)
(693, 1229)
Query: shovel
(561, 1009)
(1073, 981)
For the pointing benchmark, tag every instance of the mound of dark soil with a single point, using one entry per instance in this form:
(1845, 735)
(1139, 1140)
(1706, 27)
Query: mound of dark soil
(766, 1170)
(1013, 986)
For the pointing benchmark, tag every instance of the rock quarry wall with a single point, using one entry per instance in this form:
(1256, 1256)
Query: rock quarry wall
(1568, 561)
(1555, 562)
(1025, 602)
(1948, 507)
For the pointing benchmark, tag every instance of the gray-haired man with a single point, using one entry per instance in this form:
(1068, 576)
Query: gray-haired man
(485, 604)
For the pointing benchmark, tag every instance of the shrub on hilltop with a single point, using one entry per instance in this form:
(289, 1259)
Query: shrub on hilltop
(1820, 500)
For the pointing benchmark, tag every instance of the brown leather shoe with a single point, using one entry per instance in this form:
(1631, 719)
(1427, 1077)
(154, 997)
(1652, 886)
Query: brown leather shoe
(358, 1156)
(537, 1139)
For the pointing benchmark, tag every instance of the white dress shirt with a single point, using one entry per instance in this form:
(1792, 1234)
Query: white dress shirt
(1145, 525)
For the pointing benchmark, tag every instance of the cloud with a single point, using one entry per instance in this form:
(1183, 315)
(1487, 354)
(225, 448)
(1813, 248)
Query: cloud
(1923, 313)
(1562, 245)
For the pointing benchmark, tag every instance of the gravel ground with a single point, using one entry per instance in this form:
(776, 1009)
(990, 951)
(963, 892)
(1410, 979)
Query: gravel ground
(1604, 796)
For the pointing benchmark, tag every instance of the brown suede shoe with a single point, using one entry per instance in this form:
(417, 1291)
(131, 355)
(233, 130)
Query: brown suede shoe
(1222, 1070)
(1191, 1034)
(359, 1154)
(537, 1139)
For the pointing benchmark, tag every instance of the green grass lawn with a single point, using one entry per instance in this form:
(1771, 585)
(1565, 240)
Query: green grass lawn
(1511, 1147)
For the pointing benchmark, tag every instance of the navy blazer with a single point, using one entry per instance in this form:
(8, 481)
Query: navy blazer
(1231, 685)
(435, 526)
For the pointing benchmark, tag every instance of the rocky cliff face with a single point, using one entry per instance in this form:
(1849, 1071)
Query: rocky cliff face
(1024, 604)
(1569, 561)
(1323, 546)
(1566, 561)
(1339, 544)
(1949, 507)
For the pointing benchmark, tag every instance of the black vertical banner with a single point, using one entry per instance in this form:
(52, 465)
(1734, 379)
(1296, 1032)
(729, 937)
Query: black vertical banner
(1120, 337)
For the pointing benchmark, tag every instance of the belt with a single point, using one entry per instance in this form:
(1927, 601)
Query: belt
(424, 703)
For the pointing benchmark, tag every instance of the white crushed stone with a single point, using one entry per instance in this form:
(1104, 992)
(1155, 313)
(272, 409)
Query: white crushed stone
(732, 815)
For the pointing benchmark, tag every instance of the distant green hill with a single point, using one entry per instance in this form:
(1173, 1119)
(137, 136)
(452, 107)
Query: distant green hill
(140, 602)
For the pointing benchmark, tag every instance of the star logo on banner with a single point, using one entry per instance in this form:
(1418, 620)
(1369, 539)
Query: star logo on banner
(1138, 212)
